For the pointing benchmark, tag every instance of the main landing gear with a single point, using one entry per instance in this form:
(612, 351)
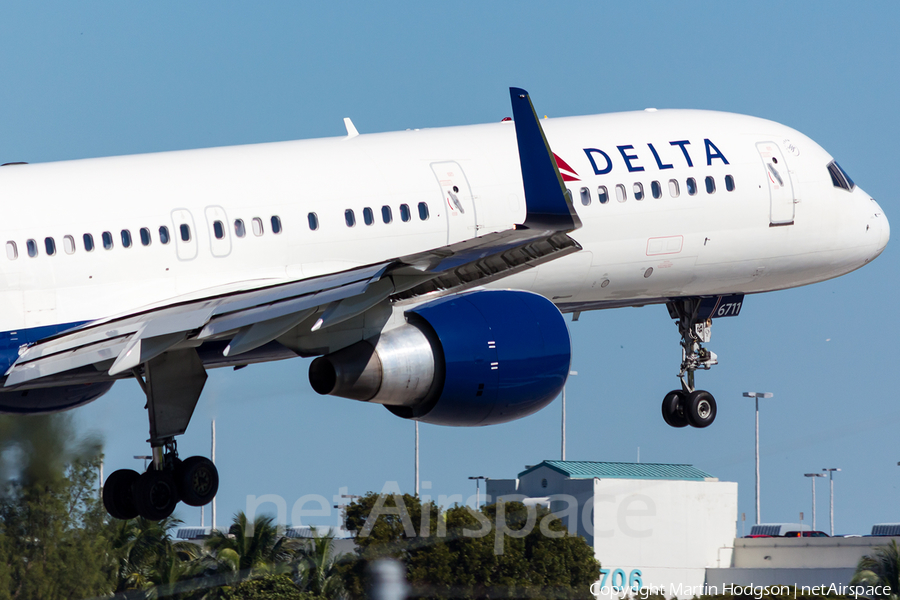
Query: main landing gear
(689, 406)
(172, 383)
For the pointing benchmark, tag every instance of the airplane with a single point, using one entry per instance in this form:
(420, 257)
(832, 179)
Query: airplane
(426, 270)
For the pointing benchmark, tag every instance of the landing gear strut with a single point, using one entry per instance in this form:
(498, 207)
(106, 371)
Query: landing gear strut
(690, 406)
(172, 383)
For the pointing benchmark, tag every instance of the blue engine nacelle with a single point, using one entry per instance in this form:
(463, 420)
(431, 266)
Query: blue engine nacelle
(51, 399)
(478, 358)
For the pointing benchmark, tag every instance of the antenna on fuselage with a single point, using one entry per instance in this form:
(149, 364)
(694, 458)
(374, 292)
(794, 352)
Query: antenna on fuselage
(351, 128)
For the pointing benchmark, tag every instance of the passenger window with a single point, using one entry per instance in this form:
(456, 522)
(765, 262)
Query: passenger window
(276, 224)
(50, 246)
(674, 190)
(163, 235)
(145, 236)
(126, 238)
(602, 195)
(88, 240)
(218, 230)
(349, 217)
(656, 190)
(386, 214)
(404, 213)
(12, 253)
(621, 196)
(585, 196)
(185, 230)
(31, 245)
(368, 216)
(729, 183)
(313, 221)
(423, 211)
(107, 240)
(691, 186)
(239, 229)
(638, 191)
(69, 244)
(710, 185)
(257, 226)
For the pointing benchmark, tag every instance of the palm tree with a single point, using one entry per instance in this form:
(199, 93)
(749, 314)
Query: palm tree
(881, 569)
(316, 566)
(249, 550)
(148, 557)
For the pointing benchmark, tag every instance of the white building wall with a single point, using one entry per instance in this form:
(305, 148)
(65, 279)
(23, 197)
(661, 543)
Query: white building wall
(668, 530)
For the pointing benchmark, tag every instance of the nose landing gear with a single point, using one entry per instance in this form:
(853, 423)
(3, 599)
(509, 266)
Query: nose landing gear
(690, 406)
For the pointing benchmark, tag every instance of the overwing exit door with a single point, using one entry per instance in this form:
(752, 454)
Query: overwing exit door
(459, 204)
(781, 190)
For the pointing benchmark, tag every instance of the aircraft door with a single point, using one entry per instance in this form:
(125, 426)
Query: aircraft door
(218, 230)
(781, 190)
(185, 234)
(459, 204)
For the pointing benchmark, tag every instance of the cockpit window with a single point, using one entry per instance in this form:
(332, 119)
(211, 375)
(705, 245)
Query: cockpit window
(839, 177)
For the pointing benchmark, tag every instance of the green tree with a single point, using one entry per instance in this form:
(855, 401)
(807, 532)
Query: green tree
(148, 556)
(316, 568)
(460, 553)
(54, 535)
(276, 586)
(880, 569)
(250, 549)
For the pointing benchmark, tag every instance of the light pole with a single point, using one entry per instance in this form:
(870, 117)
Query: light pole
(831, 511)
(564, 417)
(813, 477)
(478, 489)
(756, 396)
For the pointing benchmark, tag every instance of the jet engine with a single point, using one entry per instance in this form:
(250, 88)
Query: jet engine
(478, 358)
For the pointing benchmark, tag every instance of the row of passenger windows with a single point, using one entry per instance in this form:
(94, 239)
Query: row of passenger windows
(656, 190)
(387, 215)
(108, 240)
(184, 231)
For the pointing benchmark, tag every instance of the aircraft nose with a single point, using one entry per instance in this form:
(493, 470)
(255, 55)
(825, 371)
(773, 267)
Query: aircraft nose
(878, 230)
(879, 222)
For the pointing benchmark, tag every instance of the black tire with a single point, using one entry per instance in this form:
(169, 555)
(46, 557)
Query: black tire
(155, 494)
(673, 409)
(198, 481)
(700, 409)
(117, 497)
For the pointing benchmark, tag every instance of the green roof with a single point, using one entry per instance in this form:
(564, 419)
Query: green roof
(580, 469)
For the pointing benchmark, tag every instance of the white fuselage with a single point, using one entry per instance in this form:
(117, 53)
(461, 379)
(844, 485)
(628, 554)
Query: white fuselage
(758, 237)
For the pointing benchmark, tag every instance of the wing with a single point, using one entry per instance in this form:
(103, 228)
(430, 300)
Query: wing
(252, 314)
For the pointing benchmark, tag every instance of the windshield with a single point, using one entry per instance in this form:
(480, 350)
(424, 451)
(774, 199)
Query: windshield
(839, 177)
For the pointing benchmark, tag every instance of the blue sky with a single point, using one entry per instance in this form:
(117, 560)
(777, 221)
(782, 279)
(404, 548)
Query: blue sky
(102, 78)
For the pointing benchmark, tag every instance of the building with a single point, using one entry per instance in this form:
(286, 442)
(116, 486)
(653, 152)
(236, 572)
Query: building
(800, 561)
(654, 525)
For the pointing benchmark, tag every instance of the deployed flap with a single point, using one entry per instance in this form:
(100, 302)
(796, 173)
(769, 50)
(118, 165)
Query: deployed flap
(254, 336)
(136, 338)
